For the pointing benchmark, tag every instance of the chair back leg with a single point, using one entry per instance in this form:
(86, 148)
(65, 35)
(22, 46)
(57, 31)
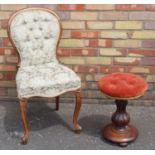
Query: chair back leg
(57, 103)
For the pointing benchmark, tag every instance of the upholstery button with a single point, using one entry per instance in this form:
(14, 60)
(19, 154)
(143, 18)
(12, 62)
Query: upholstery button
(46, 20)
(36, 38)
(24, 22)
(40, 28)
(112, 86)
(123, 78)
(34, 48)
(131, 82)
(113, 82)
(30, 28)
(35, 20)
(41, 47)
(27, 38)
(133, 76)
(46, 37)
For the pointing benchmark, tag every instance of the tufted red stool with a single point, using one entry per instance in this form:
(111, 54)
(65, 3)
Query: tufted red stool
(121, 87)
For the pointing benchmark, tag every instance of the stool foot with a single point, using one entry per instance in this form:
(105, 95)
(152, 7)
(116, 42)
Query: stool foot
(123, 144)
(24, 140)
(120, 136)
(120, 131)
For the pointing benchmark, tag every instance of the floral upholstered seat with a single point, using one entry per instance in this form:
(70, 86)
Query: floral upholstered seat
(35, 33)
(47, 80)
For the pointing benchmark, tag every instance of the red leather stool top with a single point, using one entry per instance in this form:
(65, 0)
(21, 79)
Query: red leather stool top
(123, 85)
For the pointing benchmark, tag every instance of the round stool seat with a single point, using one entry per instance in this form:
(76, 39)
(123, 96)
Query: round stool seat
(123, 85)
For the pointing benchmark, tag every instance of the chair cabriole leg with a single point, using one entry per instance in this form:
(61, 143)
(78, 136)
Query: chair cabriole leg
(77, 127)
(22, 105)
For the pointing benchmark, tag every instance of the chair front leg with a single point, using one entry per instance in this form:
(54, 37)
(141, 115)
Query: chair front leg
(77, 127)
(23, 103)
(57, 103)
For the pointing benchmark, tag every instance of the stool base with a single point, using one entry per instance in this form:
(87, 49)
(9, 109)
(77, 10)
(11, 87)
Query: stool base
(121, 136)
(120, 131)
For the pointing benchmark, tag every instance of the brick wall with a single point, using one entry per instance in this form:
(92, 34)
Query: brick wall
(96, 40)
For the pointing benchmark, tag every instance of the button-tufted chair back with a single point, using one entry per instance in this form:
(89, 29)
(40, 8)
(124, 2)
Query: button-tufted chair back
(35, 33)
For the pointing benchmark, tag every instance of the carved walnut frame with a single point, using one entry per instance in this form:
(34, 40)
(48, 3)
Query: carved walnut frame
(23, 102)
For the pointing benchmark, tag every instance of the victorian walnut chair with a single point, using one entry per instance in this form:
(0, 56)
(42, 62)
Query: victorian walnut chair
(35, 33)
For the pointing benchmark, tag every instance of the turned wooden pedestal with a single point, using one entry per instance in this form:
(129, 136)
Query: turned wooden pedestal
(120, 131)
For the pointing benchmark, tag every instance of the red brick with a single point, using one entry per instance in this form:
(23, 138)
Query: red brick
(63, 15)
(100, 7)
(77, 7)
(112, 52)
(140, 69)
(64, 51)
(149, 25)
(7, 84)
(92, 43)
(130, 7)
(3, 92)
(7, 68)
(10, 76)
(6, 42)
(148, 43)
(108, 43)
(66, 34)
(12, 59)
(151, 69)
(4, 15)
(10, 7)
(83, 15)
(84, 34)
(111, 69)
(1, 43)
(142, 15)
(141, 52)
(85, 69)
(73, 25)
(35, 5)
(49, 6)
(150, 7)
(148, 61)
(91, 85)
(126, 61)
(119, 15)
(1, 76)
(10, 51)
(1, 51)
(105, 43)
(84, 52)
(7, 51)
(4, 24)
(76, 52)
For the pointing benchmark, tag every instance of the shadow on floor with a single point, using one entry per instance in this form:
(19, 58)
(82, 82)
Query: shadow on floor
(93, 125)
(40, 116)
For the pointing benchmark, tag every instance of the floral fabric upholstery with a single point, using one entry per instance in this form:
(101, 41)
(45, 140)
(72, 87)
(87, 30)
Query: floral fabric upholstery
(35, 34)
(48, 80)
